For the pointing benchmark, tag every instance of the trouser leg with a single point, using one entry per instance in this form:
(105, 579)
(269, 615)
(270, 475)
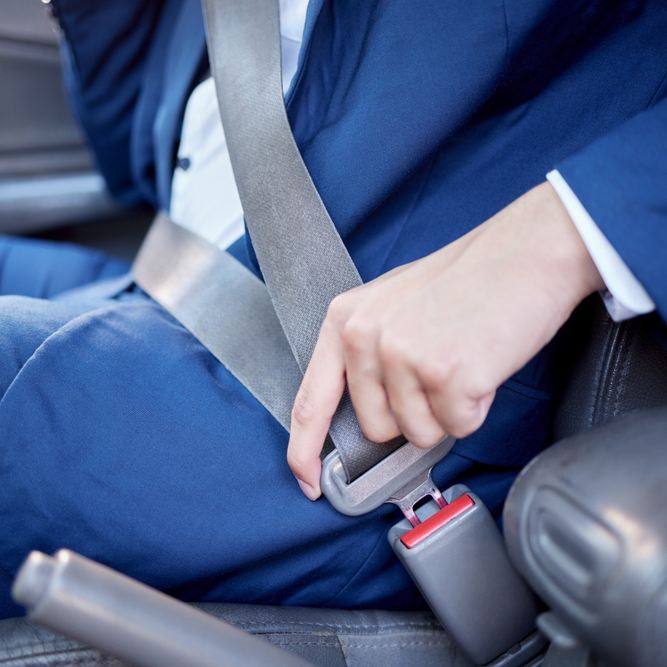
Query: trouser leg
(43, 269)
(124, 439)
(39, 270)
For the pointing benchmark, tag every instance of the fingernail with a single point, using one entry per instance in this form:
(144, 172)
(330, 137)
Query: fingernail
(309, 490)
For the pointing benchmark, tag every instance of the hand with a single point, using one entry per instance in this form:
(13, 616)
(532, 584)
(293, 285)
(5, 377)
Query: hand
(424, 347)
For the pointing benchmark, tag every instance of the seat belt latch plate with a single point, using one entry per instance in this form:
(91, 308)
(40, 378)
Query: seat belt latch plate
(402, 478)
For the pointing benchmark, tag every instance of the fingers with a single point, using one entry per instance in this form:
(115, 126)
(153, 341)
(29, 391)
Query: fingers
(458, 403)
(430, 398)
(409, 403)
(387, 342)
(315, 404)
(393, 391)
(364, 382)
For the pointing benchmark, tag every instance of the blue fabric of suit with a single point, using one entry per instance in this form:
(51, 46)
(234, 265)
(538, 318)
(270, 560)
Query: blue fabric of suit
(124, 439)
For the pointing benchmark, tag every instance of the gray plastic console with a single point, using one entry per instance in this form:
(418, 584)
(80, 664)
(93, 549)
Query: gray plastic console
(463, 572)
(121, 617)
(586, 523)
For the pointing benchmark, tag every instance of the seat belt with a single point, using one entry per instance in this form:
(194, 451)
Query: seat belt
(303, 261)
(261, 330)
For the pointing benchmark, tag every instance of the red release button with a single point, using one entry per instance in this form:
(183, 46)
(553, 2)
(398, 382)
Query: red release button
(445, 515)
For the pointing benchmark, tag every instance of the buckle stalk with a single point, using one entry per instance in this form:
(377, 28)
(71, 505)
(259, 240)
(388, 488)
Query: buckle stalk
(408, 496)
(457, 559)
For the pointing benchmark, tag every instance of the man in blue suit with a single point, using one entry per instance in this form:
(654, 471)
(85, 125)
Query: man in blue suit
(428, 129)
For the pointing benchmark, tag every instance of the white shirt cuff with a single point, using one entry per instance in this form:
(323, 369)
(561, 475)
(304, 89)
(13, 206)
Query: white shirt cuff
(624, 296)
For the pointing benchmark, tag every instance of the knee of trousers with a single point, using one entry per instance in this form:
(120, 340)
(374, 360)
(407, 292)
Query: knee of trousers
(25, 323)
(123, 439)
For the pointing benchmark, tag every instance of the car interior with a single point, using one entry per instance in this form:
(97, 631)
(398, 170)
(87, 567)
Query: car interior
(585, 527)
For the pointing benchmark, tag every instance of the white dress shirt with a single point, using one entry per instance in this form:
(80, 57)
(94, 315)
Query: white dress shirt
(205, 200)
(624, 296)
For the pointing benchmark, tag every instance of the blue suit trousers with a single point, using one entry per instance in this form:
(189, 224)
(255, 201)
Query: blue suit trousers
(122, 438)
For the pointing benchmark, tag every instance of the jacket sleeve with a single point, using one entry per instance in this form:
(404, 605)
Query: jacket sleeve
(104, 49)
(621, 180)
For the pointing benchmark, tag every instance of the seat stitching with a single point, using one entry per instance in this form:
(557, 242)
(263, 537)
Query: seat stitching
(352, 645)
(400, 644)
(603, 376)
(70, 654)
(304, 643)
(617, 360)
(624, 372)
(597, 376)
(48, 645)
(352, 626)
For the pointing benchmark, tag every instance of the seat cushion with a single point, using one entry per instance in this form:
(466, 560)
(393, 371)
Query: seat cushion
(323, 636)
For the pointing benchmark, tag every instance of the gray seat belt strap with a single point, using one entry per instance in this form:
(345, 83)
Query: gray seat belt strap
(302, 257)
(225, 307)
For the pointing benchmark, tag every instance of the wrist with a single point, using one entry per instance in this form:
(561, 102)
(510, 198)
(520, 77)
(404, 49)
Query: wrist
(564, 253)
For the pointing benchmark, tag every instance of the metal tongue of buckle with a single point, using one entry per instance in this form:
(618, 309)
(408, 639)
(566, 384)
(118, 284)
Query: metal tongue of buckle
(417, 489)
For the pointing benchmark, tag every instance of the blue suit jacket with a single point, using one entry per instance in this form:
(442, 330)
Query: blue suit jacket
(417, 122)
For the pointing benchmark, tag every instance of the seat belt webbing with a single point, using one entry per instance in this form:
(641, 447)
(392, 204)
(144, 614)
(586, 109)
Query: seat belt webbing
(265, 339)
(302, 257)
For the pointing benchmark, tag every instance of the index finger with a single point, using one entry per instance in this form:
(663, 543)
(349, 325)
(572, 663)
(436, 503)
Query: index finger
(314, 407)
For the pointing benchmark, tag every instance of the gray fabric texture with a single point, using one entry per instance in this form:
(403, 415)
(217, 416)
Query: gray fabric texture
(302, 257)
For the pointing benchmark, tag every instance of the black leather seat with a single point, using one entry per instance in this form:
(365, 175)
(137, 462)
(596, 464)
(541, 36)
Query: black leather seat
(619, 368)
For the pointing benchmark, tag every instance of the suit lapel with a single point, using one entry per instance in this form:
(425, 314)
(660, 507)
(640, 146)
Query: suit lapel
(184, 60)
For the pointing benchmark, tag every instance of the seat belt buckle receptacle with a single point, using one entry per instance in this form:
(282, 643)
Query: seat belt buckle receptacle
(456, 556)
